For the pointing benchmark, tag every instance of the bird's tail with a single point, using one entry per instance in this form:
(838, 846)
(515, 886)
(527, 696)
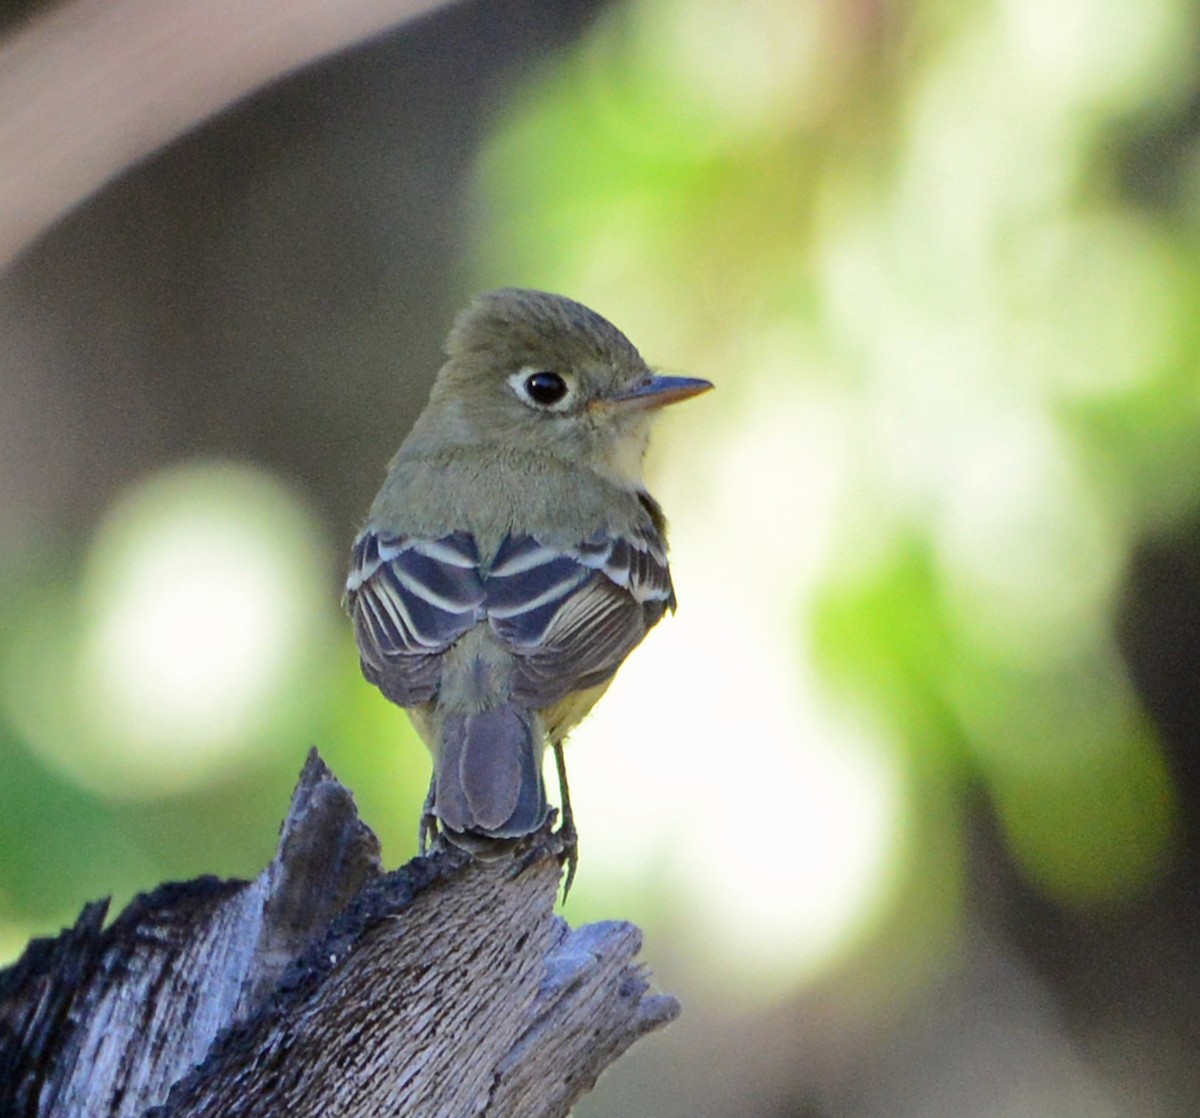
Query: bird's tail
(488, 773)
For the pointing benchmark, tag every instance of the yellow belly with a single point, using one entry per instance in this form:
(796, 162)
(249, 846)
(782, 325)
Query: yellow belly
(423, 722)
(561, 718)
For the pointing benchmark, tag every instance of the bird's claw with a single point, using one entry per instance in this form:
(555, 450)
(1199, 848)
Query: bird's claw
(562, 845)
(428, 833)
(429, 837)
(568, 844)
(568, 839)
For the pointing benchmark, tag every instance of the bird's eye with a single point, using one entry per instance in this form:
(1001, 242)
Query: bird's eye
(545, 388)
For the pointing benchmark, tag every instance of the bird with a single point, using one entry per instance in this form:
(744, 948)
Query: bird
(513, 558)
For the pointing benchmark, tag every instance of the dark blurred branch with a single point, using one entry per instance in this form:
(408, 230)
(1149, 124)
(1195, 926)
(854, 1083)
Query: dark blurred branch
(93, 86)
(324, 987)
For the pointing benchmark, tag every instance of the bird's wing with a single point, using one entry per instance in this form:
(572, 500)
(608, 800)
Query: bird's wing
(410, 600)
(570, 615)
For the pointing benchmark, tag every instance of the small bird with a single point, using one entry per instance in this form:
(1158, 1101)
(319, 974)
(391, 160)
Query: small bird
(513, 558)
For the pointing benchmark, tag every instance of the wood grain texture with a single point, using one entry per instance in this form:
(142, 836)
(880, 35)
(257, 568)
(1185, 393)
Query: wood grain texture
(326, 987)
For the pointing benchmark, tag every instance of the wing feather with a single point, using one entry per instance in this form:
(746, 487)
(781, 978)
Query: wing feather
(572, 615)
(410, 600)
(568, 615)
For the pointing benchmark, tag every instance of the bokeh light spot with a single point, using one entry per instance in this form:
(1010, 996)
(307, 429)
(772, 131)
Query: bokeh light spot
(200, 613)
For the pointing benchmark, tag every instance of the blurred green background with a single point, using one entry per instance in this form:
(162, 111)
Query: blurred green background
(904, 797)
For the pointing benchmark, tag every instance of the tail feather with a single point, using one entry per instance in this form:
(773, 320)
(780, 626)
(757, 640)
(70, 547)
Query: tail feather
(488, 773)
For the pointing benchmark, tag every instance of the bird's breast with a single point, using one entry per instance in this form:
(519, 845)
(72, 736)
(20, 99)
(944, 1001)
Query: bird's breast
(494, 493)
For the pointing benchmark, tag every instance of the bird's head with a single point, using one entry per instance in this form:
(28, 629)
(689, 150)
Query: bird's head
(527, 368)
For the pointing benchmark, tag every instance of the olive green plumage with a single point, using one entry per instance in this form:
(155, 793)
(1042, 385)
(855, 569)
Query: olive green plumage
(512, 558)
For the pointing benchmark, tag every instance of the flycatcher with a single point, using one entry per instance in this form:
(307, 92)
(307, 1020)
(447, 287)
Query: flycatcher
(513, 557)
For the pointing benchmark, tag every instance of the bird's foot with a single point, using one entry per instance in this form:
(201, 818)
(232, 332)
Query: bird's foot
(428, 832)
(568, 838)
(568, 844)
(546, 841)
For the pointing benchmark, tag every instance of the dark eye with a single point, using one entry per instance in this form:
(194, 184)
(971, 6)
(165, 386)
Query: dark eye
(545, 388)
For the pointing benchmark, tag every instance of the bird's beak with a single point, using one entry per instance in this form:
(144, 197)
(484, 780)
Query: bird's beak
(657, 391)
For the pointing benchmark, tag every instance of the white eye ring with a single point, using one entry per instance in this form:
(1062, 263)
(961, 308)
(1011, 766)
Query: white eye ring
(544, 389)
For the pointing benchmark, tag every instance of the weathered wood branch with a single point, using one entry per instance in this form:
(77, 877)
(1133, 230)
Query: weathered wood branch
(326, 987)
